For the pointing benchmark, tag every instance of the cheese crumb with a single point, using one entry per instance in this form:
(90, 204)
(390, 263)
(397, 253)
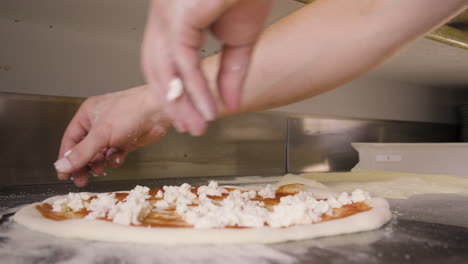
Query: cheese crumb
(333, 202)
(133, 209)
(182, 194)
(212, 189)
(267, 192)
(344, 199)
(162, 204)
(101, 205)
(159, 194)
(74, 201)
(359, 196)
(176, 89)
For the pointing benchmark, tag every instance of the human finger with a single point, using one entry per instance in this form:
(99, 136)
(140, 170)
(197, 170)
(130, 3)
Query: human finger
(179, 108)
(159, 71)
(187, 115)
(234, 65)
(80, 155)
(74, 133)
(80, 178)
(97, 165)
(116, 159)
(188, 65)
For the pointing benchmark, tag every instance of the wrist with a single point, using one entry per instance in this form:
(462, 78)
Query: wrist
(152, 106)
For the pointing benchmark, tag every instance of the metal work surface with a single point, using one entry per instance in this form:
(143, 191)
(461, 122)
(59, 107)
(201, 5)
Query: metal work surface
(425, 229)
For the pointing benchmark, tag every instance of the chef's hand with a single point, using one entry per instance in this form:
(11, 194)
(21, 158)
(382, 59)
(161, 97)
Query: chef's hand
(105, 129)
(170, 55)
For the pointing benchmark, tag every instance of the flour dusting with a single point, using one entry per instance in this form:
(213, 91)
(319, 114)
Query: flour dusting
(20, 245)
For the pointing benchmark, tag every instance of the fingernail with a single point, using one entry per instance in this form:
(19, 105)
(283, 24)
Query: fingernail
(111, 152)
(63, 165)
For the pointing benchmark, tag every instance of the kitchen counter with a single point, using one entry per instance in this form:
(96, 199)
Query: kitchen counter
(425, 229)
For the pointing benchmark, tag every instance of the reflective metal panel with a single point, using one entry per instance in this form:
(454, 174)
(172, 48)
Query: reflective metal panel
(255, 144)
(252, 144)
(30, 131)
(32, 126)
(324, 144)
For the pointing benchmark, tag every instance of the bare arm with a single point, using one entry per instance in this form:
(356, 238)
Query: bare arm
(330, 42)
(309, 52)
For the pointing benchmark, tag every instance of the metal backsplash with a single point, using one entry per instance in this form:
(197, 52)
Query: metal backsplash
(267, 143)
(32, 126)
(324, 144)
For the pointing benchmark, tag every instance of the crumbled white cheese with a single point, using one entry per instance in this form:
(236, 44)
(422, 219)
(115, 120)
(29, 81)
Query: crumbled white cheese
(249, 194)
(344, 199)
(180, 197)
(359, 196)
(301, 208)
(133, 208)
(176, 89)
(321, 207)
(235, 210)
(162, 204)
(333, 202)
(182, 194)
(74, 201)
(212, 189)
(59, 204)
(159, 194)
(101, 205)
(267, 192)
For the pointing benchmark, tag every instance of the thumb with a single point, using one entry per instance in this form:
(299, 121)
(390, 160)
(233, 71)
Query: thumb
(80, 155)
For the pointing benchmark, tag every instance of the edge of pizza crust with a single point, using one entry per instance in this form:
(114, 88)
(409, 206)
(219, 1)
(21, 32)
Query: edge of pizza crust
(375, 218)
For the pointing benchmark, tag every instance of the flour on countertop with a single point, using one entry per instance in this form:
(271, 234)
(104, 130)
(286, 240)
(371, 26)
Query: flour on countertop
(25, 246)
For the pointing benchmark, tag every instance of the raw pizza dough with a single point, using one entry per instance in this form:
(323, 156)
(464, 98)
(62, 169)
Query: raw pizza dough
(375, 218)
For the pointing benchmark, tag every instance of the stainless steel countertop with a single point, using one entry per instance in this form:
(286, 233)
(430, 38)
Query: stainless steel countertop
(425, 229)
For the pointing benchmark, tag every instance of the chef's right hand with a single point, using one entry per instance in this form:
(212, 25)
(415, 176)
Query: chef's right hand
(105, 129)
(171, 55)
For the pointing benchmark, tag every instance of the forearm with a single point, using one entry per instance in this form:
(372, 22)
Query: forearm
(330, 42)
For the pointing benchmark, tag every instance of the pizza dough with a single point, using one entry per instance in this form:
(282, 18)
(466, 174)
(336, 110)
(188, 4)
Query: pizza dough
(376, 217)
(392, 185)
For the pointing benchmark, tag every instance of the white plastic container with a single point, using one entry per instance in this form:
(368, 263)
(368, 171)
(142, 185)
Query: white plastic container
(431, 158)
